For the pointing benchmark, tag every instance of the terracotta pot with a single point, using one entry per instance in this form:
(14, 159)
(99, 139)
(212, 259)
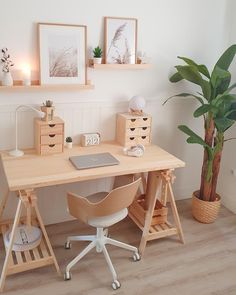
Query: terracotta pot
(204, 211)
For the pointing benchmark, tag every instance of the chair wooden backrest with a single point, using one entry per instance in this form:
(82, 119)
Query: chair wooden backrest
(118, 199)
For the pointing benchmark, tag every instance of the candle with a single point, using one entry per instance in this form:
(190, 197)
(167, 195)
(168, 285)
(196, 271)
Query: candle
(26, 74)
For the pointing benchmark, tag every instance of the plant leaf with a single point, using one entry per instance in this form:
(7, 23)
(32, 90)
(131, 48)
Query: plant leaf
(226, 58)
(202, 110)
(184, 95)
(193, 137)
(222, 124)
(190, 73)
(175, 78)
(201, 68)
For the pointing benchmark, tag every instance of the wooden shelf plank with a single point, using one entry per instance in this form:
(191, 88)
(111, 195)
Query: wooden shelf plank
(35, 86)
(120, 66)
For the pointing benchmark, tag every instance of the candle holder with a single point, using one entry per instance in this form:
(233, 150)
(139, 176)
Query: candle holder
(26, 75)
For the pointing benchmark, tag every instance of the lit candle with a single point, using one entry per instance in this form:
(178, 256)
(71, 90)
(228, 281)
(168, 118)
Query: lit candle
(26, 73)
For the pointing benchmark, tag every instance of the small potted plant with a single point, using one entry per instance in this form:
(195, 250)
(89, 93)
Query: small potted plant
(6, 65)
(48, 109)
(97, 55)
(69, 142)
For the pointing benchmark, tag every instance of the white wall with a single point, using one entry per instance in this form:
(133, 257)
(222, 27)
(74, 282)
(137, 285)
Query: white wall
(167, 28)
(227, 182)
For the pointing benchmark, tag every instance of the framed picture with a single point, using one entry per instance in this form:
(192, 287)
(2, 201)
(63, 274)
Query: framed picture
(120, 40)
(62, 50)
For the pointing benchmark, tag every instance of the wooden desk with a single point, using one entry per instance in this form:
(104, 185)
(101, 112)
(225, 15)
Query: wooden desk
(24, 174)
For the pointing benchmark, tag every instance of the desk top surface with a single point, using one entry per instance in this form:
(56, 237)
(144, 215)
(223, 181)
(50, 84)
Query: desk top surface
(34, 171)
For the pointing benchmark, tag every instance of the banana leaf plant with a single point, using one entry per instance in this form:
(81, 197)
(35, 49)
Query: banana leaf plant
(218, 108)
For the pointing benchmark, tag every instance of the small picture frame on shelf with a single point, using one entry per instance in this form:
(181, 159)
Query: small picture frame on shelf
(62, 50)
(120, 40)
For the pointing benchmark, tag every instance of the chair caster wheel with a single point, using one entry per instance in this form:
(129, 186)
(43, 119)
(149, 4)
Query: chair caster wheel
(116, 285)
(67, 245)
(136, 257)
(67, 276)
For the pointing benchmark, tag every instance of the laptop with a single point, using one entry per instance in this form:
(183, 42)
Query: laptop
(93, 161)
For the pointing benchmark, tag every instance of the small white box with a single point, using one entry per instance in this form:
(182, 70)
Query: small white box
(88, 139)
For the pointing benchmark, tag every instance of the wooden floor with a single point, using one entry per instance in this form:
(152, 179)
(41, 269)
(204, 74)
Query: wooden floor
(205, 265)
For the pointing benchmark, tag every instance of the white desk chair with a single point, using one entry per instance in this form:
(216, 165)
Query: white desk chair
(101, 210)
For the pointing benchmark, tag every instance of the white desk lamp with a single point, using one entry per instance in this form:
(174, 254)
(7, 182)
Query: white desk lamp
(16, 152)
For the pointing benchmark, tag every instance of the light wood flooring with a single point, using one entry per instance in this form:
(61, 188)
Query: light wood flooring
(205, 265)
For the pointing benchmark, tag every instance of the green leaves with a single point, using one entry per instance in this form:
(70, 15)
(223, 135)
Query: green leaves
(176, 78)
(201, 68)
(226, 58)
(202, 110)
(193, 137)
(191, 73)
(222, 124)
(184, 95)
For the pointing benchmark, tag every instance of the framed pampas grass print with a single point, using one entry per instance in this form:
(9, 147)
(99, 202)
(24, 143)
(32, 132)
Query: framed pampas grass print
(62, 50)
(120, 40)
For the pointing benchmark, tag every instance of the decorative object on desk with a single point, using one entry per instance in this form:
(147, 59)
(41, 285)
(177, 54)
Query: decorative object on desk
(135, 151)
(132, 129)
(143, 58)
(97, 55)
(62, 53)
(48, 109)
(26, 238)
(69, 142)
(16, 152)
(218, 108)
(137, 104)
(6, 65)
(88, 139)
(49, 136)
(120, 40)
(26, 75)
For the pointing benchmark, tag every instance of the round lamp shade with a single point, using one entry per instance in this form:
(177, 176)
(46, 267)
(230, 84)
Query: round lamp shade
(137, 103)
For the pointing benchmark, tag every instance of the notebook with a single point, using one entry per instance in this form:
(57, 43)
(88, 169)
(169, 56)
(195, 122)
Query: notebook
(93, 161)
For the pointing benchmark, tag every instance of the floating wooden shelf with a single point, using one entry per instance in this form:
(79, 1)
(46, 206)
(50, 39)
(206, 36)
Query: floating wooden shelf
(35, 86)
(120, 66)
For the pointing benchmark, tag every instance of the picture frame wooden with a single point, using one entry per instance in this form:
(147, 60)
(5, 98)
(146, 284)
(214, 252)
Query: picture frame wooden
(120, 40)
(62, 53)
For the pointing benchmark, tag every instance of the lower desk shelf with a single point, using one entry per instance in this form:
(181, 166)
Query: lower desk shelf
(26, 260)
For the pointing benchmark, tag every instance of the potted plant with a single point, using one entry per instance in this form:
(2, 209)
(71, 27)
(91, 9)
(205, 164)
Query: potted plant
(97, 55)
(218, 109)
(6, 65)
(48, 109)
(69, 142)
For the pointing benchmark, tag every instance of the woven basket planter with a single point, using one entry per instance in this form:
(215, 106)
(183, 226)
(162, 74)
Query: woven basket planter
(203, 211)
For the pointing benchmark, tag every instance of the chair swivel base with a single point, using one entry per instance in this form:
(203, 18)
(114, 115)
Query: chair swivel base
(99, 241)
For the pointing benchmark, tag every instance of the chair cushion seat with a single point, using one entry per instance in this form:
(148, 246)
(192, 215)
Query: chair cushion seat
(106, 221)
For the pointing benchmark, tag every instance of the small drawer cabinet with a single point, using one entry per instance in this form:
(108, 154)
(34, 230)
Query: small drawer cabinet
(49, 136)
(133, 129)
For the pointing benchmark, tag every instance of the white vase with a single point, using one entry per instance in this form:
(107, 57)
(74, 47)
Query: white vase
(97, 60)
(69, 145)
(7, 79)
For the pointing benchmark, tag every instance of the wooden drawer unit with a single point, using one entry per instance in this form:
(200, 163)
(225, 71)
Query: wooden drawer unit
(49, 136)
(133, 129)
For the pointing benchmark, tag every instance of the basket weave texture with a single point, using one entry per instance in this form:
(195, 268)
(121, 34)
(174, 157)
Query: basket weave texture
(203, 211)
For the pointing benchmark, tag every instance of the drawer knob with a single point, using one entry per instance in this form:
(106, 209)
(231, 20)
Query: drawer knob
(131, 138)
(51, 125)
(145, 119)
(143, 137)
(133, 120)
(144, 128)
(51, 145)
(132, 129)
(52, 135)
